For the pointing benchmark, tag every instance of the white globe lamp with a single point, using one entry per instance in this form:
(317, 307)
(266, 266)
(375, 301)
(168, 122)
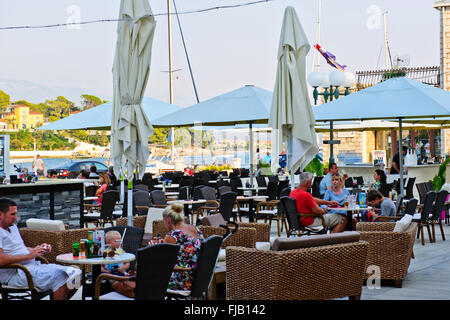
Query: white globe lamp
(350, 79)
(315, 79)
(337, 78)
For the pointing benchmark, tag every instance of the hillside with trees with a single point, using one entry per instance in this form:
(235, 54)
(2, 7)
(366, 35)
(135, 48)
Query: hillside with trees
(55, 109)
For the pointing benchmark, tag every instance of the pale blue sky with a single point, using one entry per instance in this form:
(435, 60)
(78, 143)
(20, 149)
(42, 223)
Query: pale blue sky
(228, 48)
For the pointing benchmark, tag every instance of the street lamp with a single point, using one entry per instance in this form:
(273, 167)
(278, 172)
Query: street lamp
(331, 82)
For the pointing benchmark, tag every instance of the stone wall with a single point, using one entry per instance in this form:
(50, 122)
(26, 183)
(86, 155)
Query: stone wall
(351, 141)
(444, 16)
(67, 207)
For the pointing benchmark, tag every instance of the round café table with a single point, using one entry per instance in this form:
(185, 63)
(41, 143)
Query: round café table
(171, 186)
(350, 211)
(251, 214)
(187, 204)
(68, 258)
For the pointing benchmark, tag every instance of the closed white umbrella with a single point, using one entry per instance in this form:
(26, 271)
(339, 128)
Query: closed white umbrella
(291, 113)
(130, 127)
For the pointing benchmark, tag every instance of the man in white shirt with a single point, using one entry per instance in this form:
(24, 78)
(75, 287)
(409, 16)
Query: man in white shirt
(13, 250)
(39, 165)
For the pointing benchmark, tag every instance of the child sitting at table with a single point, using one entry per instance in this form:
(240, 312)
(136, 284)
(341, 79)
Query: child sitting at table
(113, 239)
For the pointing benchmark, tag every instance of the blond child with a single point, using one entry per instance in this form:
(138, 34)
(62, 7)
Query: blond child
(113, 239)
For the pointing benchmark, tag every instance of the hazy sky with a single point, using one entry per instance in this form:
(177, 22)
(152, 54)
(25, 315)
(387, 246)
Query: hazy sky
(228, 48)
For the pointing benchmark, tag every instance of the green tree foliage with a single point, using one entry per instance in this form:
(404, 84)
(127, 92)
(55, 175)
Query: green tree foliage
(89, 101)
(439, 179)
(160, 137)
(4, 101)
(59, 108)
(315, 167)
(45, 140)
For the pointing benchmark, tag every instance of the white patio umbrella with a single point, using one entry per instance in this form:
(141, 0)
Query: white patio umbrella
(130, 127)
(291, 113)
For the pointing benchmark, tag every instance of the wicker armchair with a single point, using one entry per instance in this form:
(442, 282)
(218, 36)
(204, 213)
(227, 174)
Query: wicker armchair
(391, 251)
(61, 241)
(138, 221)
(311, 273)
(245, 237)
(23, 293)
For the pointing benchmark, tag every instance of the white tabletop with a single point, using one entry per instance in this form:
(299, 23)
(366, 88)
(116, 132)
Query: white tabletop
(253, 197)
(69, 258)
(349, 209)
(252, 188)
(172, 193)
(90, 198)
(187, 201)
(173, 185)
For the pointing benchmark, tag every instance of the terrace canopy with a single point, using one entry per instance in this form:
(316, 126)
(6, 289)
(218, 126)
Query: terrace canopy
(99, 117)
(396, 99)
(246, 105)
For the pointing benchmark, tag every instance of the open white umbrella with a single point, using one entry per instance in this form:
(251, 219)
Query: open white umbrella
(130, 127)
(291, 113)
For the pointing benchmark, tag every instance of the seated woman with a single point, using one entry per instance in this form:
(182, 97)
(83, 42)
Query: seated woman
(103, 186)
(380, 183)
(188, 237)
(337, 193)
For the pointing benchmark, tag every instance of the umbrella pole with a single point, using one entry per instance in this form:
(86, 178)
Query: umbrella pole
(331, 143)
(122, 186)
(400, 154)
(251, 154)
(289, 160)
(130, 204)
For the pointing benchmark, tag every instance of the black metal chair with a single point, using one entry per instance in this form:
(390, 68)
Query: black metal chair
(102, 214)
(141, 186)
(348, 182)
(424, 220)
(236, 183)
(184, 192)
(422, 190)
(203, 274)
(398, 204)
(223, 189)
(261, 181)
(211, 206)
(186, 182)
(154, 268)
(158, 199)
(227, 203)
(293, 218)
(281, 185)
(142, 202)
(274, 178)
(90, 191)
(132, 240)
(315, 187)
(436, 217)
(409, 188)
(359, 181)
(411, 206)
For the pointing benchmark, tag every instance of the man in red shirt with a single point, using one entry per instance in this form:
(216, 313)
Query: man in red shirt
(307, 204)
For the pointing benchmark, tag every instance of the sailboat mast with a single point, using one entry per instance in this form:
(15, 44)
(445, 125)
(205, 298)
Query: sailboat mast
(169, 30)
(387, 59)
(316, 58)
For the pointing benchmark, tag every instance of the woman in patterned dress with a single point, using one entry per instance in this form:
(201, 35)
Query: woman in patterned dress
(188, 237)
